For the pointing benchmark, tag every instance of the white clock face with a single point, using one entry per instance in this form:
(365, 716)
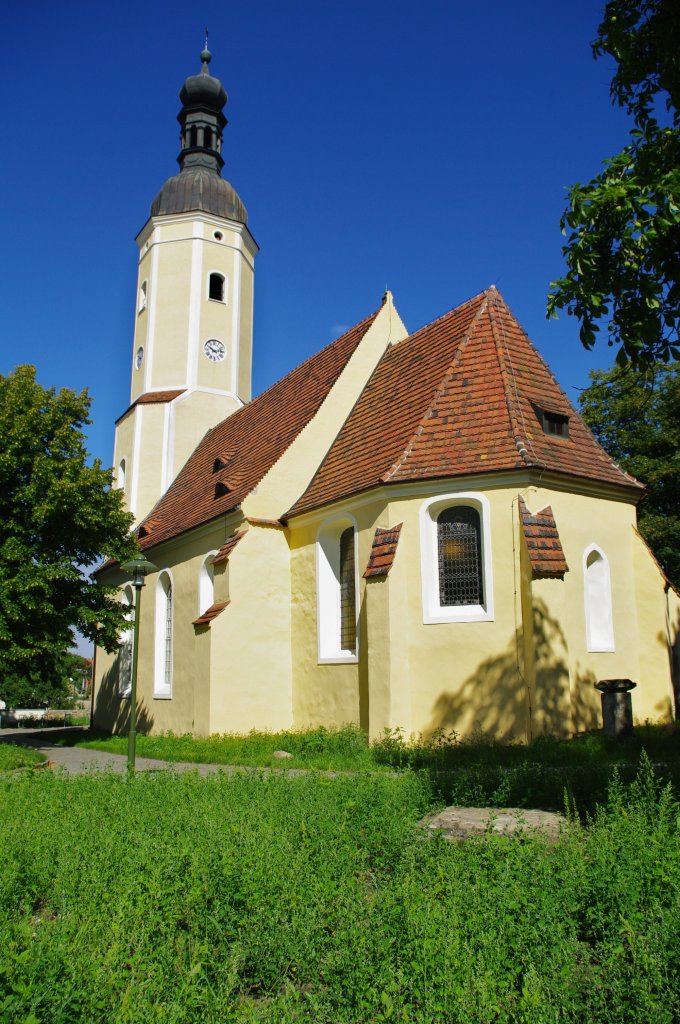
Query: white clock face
(139, 357)
(214, 350)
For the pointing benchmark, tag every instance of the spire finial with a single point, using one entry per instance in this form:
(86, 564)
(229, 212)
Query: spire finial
(206, 55)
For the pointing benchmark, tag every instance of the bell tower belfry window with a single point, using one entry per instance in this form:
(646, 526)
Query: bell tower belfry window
(191, 354)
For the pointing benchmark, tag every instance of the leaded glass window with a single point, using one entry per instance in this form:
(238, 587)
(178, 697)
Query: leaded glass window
(459, 547)
(348, 615)
(167, 675)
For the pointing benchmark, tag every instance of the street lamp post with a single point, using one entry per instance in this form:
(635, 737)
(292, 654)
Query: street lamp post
(138, 568)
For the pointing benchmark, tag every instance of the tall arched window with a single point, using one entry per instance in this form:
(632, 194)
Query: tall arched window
(336, 568)
(216, 287)
(598, 600)
(459, 556)
(125, 652)
(164, 631)
(142, 297)
(120, 475)
(455, 558)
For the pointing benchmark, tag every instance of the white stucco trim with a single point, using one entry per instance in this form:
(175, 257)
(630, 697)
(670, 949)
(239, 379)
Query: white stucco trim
(328, 591)
(433, 610)
(168, 446)
(206, 583)
(136, 457)
(161, 689)
(236, 317)
(597, 601)
(195, 296)
(151, 321)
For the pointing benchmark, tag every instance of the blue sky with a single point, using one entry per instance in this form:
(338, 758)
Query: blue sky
(426, 147)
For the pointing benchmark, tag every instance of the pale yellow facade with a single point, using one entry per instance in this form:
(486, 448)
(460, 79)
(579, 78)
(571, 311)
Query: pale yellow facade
(525, 672)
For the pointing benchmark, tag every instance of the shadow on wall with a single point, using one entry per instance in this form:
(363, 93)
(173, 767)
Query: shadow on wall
(112, 712)
(586, 701)
(674, 659)
(495, 702)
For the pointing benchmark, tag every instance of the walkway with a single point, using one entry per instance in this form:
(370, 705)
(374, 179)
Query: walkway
(80, 759)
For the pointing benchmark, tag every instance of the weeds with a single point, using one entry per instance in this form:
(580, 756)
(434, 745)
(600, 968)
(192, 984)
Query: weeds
(13, 756)
(275, 899)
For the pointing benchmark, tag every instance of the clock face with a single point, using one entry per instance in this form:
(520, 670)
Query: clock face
(139, 357)
(214, 350)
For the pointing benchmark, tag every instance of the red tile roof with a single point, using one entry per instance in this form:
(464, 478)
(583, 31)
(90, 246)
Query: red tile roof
(153, 398)
(240, 450)
(383, 550)
(227, 548)
(456, 398)
(543, 543)
(210, 613)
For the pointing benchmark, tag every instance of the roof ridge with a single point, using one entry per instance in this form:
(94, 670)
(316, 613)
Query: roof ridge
(396, 466)
(520, 436)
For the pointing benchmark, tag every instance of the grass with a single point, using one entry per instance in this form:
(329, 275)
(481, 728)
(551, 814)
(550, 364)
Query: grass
(482, 773)
(265, 898)
(13, 756)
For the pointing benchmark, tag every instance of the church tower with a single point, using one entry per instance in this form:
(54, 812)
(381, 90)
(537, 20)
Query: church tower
(192, 348)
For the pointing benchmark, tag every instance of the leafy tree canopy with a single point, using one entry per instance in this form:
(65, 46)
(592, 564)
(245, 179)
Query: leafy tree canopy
(623, 247)
(57, 515)
(636, 418)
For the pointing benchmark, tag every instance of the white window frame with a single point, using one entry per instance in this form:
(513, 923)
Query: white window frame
(225, 284)
(206, 583)
(126, 642)
(328, 613)
(162, 690)
(597, 604)
(433, 610)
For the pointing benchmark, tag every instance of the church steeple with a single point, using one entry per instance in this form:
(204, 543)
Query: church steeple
(202, 121)
(192, 348)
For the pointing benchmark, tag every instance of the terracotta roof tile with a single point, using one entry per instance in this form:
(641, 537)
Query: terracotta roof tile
(227, 548)
(249, 442)
(383, 550)
(153, 398)
(210, 613)
(456, 398)
(543, 543)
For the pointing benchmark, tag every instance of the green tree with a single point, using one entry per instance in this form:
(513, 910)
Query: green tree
(636, 419)
(57, 515)
(623, 247)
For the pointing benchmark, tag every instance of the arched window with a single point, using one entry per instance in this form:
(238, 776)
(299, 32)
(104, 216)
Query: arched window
(120, 475)
(193, 137)
(216, 287)
(337, 584)
(207, 138)
(459, 556)
(598, 600)
(206, 584)
(164, 629)
(142, 296)
(455, 558)
(125, 652)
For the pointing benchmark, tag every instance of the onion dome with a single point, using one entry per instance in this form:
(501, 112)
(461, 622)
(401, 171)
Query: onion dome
(200, 185)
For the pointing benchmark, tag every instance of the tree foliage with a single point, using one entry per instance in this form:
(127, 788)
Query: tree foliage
(636, 418)
(58, 514)
(623, 247)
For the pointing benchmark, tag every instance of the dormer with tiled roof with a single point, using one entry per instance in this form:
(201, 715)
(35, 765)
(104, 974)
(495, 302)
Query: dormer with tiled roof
(458, 397)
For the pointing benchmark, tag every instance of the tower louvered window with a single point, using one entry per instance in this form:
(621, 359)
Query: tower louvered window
(348, 615)
(459, 544)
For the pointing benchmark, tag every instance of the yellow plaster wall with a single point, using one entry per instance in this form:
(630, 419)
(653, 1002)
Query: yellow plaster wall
(195, 413)
(654, 697)
(526, 672)
(251, 681)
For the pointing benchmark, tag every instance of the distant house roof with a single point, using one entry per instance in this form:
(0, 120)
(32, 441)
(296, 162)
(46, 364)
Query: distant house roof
(235, 455)
(459, 396)
(544, 546)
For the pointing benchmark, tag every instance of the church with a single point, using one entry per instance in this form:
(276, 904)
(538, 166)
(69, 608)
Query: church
(411, 531)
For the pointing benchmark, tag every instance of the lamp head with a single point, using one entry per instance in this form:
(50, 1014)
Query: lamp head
(138, 568)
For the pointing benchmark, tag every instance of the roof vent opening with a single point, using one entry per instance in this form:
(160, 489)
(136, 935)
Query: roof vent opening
(221, 488)
(555, 424)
